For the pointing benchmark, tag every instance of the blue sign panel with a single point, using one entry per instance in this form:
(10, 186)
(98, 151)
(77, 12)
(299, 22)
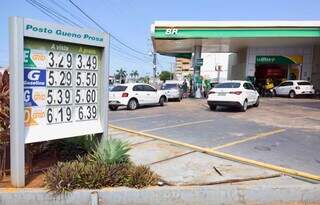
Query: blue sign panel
(34, 78)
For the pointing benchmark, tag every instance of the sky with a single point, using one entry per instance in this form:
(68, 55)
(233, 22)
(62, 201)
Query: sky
(130, 21)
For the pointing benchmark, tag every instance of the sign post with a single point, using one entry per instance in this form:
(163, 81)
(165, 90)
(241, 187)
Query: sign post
(58, 85)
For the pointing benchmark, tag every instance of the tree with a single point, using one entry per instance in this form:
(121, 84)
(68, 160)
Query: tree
(121, 75)
(146, 79)
(134, 74)
(131, 74)
(165, 75)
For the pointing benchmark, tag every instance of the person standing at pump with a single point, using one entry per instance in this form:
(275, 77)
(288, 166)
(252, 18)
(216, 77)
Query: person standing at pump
(184, 88)
(207, 87)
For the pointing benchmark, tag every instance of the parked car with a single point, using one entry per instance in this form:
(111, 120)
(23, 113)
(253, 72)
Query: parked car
(292, 88)
(172, 91)
(133, 95)
(233, 94)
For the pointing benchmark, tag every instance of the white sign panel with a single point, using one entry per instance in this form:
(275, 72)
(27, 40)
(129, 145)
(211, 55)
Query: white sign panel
(63, 81)
(58, 85)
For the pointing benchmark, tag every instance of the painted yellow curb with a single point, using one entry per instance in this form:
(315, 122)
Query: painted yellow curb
(260, 135)
(291, 172)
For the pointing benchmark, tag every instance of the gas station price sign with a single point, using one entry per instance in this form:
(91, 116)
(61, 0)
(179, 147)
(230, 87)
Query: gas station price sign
(62, 81)
(64, 86)
(58, 86)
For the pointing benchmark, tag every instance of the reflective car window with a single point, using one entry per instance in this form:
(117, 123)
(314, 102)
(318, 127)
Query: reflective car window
(250, 86)
(148, 88)
(169, 86)
(119, 88)
(137, 88)
(228, 85)
(246, 86)
(304, 83)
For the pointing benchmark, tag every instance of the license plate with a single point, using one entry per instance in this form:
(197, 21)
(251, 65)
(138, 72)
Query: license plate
(221, 94)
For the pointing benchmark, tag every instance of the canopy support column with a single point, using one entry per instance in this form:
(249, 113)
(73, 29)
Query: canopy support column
(196, 72)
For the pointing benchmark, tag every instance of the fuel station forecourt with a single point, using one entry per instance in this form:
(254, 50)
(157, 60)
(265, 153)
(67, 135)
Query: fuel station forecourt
(281, 50)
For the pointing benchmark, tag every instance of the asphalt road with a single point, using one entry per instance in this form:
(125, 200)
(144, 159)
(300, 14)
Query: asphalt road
(281, 131)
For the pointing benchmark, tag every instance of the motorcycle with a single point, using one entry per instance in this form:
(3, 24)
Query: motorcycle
(267, 92)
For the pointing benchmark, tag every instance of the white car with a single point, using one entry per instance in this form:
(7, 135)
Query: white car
(233, 94)
(292, 88)
(133, 95)
(172, 91)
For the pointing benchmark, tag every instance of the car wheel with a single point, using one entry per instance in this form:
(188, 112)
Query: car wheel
(213, 107)
(161, 101)
(244, 106)
(132, 104)
(178, 99)
(257, 102)
(292, 94)
(113, 107)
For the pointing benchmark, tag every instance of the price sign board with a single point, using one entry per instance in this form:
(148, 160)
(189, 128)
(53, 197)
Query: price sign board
(58, 80)
(62, 89)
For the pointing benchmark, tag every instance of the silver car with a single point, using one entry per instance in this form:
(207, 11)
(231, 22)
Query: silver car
(172, 91)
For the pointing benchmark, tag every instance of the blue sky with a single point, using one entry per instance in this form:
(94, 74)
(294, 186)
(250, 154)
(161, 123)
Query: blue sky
(130, 20)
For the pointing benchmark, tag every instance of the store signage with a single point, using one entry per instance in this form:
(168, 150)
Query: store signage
(63, 92)
(281, 60)
(171, 31)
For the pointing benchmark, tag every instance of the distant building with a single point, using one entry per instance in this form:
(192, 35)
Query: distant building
(183, 68)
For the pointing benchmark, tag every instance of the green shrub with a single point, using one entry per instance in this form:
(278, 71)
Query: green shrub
(70, 148)
(87, 174)
(84, 174)
(141, 176)
(111, 151)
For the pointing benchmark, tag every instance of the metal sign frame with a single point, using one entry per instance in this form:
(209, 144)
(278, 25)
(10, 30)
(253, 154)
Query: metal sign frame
(19, 29)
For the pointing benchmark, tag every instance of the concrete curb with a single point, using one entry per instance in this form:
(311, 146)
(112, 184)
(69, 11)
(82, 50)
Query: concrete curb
(205, 195)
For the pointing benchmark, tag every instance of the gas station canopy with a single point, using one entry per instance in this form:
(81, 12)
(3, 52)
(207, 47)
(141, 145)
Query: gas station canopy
(179, 38)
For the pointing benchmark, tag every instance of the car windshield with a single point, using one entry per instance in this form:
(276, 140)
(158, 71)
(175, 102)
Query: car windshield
(169, 86)
(228, 85)
(119, 88)
(304, 83)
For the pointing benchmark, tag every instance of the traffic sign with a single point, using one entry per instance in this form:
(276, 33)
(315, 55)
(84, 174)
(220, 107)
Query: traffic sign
(58, 84)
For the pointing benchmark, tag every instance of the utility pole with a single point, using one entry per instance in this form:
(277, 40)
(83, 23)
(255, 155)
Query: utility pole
(171, 71)
(154, 61)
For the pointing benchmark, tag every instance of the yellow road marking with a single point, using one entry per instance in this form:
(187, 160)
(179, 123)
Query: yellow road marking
(115, 133)
(291, 172)
(134, 118)
(178, 125)
(260, 135)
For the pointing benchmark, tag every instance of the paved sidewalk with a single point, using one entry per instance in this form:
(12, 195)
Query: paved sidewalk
(178, 165)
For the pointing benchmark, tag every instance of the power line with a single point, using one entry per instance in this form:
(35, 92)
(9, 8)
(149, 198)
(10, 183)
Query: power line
(132, 56)
(98, 25)
(55, 13)
(44, 11)
(114, 47)
(80, 20)
(59, 17)
(129, 54)
(128, 59)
